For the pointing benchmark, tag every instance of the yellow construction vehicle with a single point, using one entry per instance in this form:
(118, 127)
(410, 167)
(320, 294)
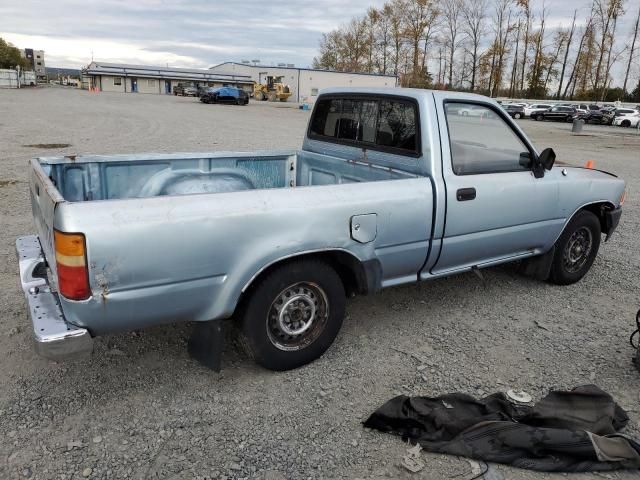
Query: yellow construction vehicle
(273, 90)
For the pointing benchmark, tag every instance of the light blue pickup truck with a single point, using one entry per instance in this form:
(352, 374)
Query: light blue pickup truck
(391, 186)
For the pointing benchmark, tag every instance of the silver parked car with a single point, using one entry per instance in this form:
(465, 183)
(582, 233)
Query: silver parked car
(391, 186)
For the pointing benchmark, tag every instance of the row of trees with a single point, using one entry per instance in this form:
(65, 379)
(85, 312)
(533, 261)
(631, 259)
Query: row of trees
(10, 56)
(496, 47)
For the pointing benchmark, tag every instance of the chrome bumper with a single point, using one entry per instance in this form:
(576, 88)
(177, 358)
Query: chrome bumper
(54, 338)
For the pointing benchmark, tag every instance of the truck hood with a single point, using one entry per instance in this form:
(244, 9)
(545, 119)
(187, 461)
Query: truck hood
(585, 170)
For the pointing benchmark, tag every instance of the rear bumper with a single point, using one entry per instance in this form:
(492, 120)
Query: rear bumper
(54, 338)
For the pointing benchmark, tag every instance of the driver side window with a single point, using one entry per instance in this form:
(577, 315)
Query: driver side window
(482, 142)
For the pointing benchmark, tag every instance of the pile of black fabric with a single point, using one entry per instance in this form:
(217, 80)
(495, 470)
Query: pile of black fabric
(567, 431)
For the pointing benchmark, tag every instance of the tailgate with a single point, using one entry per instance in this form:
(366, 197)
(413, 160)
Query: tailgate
(44, 198)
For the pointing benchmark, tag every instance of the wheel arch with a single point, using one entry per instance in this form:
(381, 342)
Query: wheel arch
(358, 277)
(598, 208)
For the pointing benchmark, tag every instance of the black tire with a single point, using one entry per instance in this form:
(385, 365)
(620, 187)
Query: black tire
(576, 249)
(625, 123)
(239, 102)
(301, 288)
(539, 118)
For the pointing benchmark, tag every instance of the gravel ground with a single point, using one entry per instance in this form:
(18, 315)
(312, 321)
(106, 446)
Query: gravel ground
(140, 407)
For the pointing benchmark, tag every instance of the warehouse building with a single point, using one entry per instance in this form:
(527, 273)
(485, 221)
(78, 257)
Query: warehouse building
(116, 77)
(305, 83)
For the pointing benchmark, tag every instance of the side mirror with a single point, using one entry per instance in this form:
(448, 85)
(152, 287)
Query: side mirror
(544, 162)
(547, 158)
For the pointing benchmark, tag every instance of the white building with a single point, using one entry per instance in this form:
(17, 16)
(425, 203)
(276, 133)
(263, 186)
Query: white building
(117, 77)
(305, 83)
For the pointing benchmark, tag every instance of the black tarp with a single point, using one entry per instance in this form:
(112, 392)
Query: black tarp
(567, 431)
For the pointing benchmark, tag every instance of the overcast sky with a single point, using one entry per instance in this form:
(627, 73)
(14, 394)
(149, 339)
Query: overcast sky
(199, 33)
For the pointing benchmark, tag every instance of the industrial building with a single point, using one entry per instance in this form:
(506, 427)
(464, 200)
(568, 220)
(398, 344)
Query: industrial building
(305, 83)
(36, 59)
(116, 77)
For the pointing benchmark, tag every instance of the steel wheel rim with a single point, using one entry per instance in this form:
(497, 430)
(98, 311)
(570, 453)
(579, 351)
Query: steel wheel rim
(297, 316)
(578, 249)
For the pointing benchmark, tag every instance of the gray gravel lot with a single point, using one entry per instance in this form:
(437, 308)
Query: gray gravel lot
(140, 407)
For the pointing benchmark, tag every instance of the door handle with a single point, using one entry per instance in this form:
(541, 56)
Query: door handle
(464, 194)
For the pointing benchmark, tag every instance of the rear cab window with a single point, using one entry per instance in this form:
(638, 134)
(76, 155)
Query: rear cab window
(371, 122)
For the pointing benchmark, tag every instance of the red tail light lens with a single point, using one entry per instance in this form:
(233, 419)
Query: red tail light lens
(71, 263)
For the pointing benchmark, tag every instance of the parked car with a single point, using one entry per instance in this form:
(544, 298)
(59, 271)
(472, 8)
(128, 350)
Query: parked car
(559, 114)
(600, 117)
(471, 110)
(210, 236)
(588, 107)
(515, 111)
(536, 108)
(628, 120)
(618, 112)
(185, 90)
(225, 95)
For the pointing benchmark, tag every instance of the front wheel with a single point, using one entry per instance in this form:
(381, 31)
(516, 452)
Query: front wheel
(538, 118)
(293, 314)
(626, 123)
(576, 249)
(517, 116)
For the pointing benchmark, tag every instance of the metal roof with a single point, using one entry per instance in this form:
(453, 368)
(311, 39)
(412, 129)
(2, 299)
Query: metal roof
(147, 71)
(299, 68)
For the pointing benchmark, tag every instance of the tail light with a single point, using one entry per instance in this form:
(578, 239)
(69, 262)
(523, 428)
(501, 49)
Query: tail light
(71, 263)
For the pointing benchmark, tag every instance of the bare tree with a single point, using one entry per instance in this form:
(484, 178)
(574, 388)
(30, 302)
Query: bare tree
(514, 68)
(418, 16)
(383, 34)
(526, 9)
(566, 53)
(631, 53)
(535, 75)
(579, 54)
(474, 16)
(605, 13)
(451, 10)
(370, 22)
(559, 39)
(502, 28)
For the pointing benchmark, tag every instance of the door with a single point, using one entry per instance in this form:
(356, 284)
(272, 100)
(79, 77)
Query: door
(167, 87)
(134, 85)
(496, 208)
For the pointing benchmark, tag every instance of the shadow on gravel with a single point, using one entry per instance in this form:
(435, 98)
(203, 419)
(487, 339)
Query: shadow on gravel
(47, 145)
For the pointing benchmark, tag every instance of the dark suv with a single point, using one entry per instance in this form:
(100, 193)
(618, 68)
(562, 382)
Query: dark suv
(559, 114)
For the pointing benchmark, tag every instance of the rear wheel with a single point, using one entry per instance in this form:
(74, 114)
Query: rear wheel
(538, 117)
(576, 249)
(517, 116)
(625, 123)
(259, 96)
(293, 314)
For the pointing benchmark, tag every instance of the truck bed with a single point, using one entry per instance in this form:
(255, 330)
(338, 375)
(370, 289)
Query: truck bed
(89, 178)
